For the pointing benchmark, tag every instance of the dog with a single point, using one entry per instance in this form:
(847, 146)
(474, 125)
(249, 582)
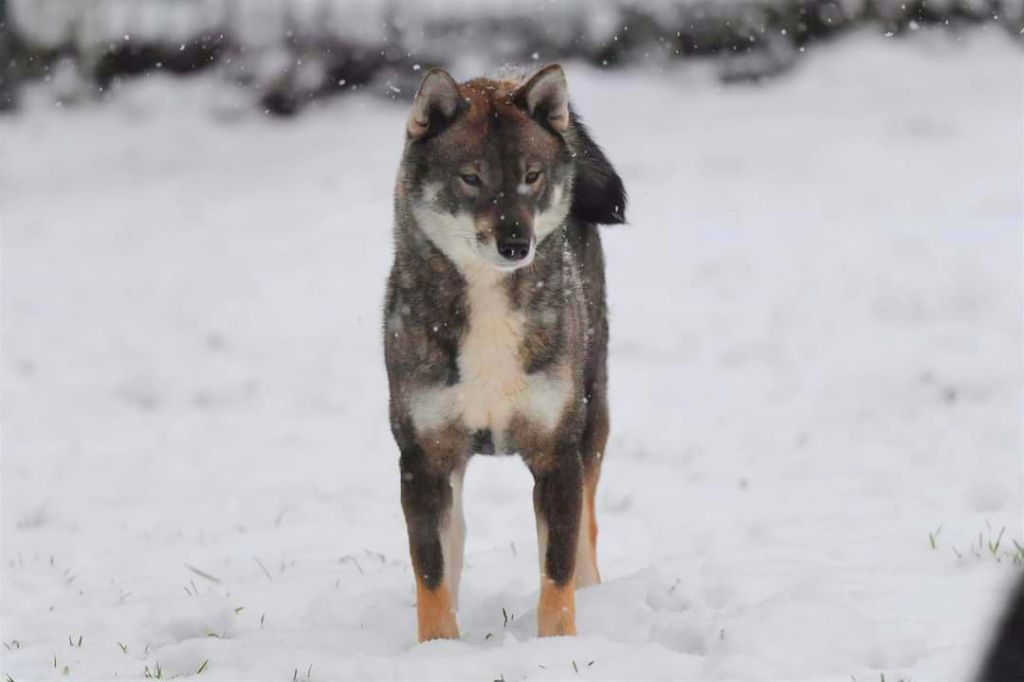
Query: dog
(495, 325)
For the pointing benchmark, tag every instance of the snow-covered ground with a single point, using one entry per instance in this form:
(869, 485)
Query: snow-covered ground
(816, 365)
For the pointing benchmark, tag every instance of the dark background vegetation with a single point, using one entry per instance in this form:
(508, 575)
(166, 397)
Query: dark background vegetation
(287, 54)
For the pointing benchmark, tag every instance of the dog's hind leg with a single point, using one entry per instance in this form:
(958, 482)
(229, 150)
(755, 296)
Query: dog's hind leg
(595, 438)
(427, 502)
(587, 573)
(453, 535)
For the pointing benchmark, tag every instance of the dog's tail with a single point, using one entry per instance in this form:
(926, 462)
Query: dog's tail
(599, 197)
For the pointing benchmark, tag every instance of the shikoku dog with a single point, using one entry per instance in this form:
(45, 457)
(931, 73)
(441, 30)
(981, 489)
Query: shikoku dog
(495, 324)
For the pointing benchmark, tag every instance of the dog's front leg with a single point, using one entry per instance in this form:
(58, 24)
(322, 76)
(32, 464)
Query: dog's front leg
(557, 499)
(427, 503)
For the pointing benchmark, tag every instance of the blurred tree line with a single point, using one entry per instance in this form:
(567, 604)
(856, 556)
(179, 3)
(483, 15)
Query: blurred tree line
(286, 53)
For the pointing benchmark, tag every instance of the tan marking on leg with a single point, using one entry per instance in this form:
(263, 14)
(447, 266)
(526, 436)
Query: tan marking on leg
(435, 612)
(556, 610)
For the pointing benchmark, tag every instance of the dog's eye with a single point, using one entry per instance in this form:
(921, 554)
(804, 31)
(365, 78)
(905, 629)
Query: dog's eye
(471, 179)
(532, 177)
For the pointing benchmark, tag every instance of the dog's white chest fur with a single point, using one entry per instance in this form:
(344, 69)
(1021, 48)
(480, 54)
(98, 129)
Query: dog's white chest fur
(493, 386)
(491, 377)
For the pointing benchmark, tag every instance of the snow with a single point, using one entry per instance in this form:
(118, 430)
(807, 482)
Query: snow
(815, 362)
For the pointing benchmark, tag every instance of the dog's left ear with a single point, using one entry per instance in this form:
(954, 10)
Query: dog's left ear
(545, 95)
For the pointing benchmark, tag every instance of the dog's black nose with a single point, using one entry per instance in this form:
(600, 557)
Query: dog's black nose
(514, 249)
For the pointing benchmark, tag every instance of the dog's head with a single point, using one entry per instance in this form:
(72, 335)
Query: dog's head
(491, 168)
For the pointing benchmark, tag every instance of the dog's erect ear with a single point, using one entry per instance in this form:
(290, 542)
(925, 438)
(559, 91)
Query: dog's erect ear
(437, 101)
(545, 95)
(598, 195)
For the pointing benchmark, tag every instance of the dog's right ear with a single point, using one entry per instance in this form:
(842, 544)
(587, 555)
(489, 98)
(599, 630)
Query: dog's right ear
(437, 101)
